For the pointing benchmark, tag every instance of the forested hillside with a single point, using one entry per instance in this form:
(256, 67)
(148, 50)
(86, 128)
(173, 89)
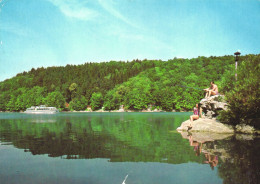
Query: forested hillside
(167, 85)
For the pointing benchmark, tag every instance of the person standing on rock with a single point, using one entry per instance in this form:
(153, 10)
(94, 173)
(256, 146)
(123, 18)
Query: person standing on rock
(196, 115)
(212, 90)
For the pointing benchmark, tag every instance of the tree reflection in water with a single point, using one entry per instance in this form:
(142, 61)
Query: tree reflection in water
(236, 157)
(136, 138)
(242, 165)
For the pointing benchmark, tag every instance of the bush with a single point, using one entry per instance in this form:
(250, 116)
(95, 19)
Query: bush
(244, 97)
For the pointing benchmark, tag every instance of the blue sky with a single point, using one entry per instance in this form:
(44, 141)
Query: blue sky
(35, 33)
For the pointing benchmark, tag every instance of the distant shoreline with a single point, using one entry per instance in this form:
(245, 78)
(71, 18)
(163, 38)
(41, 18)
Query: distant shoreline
(156, 110)
(117, 111)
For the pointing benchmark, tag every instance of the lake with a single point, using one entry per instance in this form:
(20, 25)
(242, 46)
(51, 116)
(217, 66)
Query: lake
(108, 148)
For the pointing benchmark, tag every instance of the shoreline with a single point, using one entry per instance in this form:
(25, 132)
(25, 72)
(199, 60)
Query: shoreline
(146, 111)
(124, 111)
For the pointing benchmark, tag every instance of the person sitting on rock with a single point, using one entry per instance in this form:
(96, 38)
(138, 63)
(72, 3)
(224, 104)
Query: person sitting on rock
(196, 115)
(212, 90)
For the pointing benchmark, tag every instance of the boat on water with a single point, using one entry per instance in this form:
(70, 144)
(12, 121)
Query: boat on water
(42, 109)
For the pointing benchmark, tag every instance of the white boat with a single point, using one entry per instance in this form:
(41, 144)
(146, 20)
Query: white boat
(42, 109)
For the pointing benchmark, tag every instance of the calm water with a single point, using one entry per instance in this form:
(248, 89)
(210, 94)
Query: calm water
(103, 148)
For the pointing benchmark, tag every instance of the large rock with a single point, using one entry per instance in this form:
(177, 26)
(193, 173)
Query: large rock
(212, 105)
(206, 125)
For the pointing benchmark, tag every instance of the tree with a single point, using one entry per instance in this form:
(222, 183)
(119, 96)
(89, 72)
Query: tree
(10, 106)
(73, 89)
(138, 95)
(244, 98)
(78, 103)
(55, 99)
(96, 101)
(111, 100)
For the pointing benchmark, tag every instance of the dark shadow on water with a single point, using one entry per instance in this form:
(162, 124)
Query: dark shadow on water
(235, 156)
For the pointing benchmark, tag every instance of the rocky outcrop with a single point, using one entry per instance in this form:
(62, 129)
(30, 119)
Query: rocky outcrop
(206, 125)
(211, 108)
(213, 105)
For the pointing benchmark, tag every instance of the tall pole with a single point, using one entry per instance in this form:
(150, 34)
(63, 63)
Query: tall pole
(236, 59)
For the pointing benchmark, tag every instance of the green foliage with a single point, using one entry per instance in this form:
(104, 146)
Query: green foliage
(96, 101)
(55, 99)
(173, 84)
(228, 80)
(139, 96)
(73, 89)
(78, 103)
(22, 98)
(3, 101)
(111, 100)
(244, 97)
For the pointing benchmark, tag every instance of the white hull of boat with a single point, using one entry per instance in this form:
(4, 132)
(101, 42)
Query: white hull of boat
(42, 109)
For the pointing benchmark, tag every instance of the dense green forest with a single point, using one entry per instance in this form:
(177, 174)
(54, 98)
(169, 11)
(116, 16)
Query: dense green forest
(175, 84)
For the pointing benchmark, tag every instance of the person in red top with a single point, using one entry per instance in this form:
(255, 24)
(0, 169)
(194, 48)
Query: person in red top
(195, 116)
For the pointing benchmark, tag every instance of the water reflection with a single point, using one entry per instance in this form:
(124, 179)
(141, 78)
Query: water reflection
(134, 137)
(235, 156)
(211, 159)
(119, 137)
(197, 145)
